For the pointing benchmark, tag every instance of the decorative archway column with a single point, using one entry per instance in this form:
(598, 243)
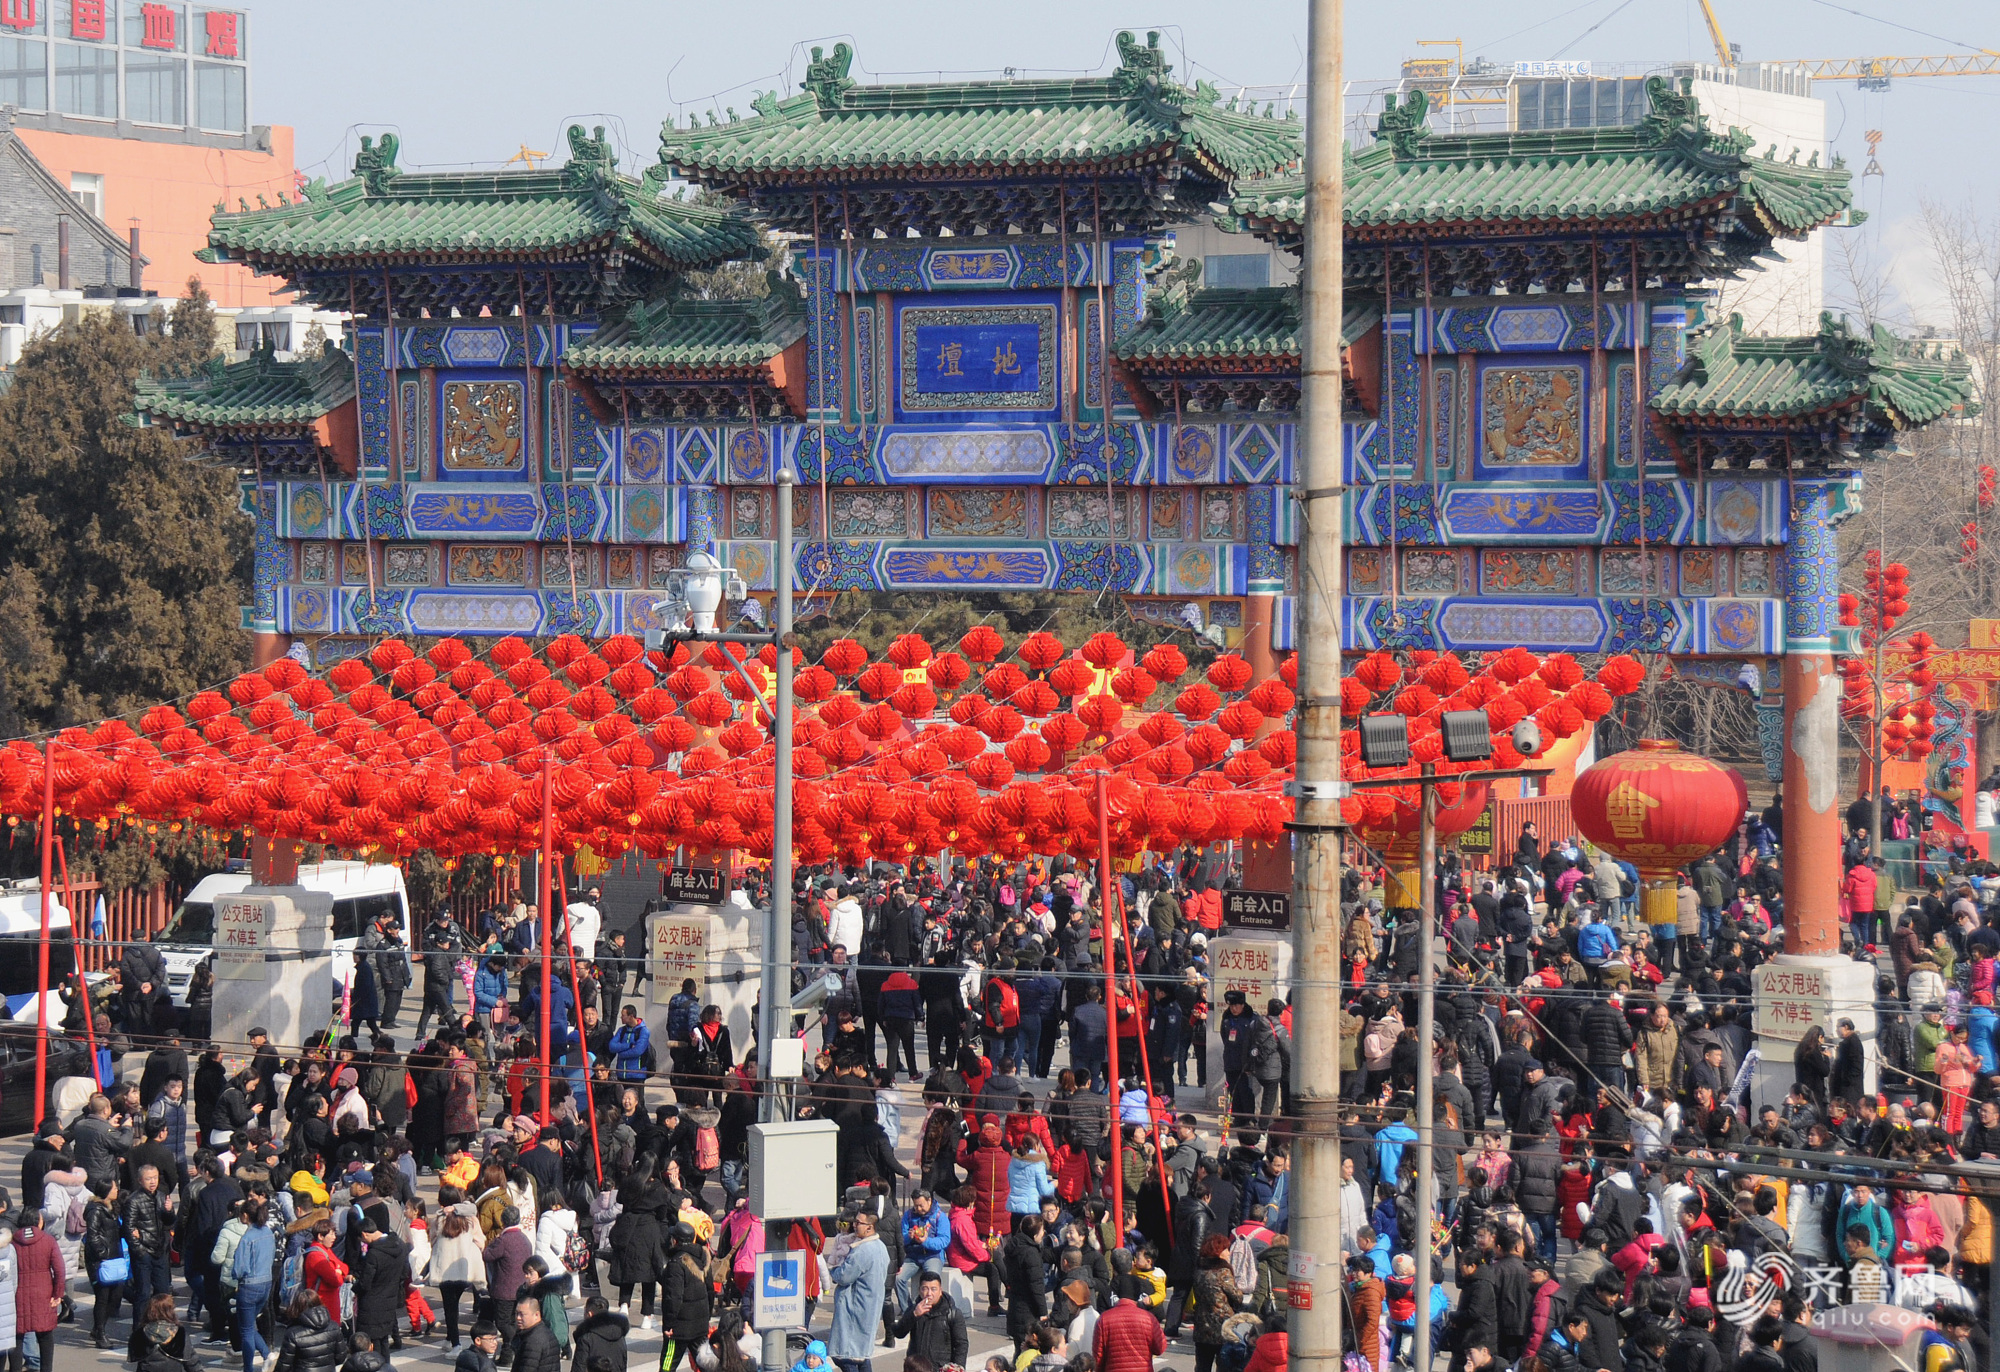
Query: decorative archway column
(270, 569)
(1812, 720)
(1810, 983)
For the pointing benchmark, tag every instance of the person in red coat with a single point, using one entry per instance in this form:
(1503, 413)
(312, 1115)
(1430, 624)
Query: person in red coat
(986, 1173)
(41, 1280)
(1573, 1187)
(324, 1273)
(1128, 1339)
(1273, 1350)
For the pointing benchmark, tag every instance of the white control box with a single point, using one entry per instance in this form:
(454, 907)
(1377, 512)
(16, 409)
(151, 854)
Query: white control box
(793, 1169)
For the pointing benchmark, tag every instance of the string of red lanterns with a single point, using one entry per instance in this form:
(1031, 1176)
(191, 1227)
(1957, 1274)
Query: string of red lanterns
(971, 748)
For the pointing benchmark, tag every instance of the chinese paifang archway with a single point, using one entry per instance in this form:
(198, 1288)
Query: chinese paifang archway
(976, 749)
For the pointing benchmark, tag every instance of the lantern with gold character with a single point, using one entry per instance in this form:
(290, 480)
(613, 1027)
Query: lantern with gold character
(1659, 808)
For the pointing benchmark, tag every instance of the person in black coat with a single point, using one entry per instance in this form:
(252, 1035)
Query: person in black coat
(1476, 1321)
(1477, 1056)
(1598, 1304)
(639, 1234)
(601, 1335)
(1538, 1163)
(311, 1339)
(45, 1156)
(210, 1080)
(1513, 1297)
(1021, 1272)
(1693, 1349)
(211, 1212)
(1847, 1076)
(1193, 1223)
(1607, 1037)
(1528, 849)
(168, 1060)
(1509, 1079)
(535, 1346)
(933, 1325)
(381, 1280)
(685, 1298)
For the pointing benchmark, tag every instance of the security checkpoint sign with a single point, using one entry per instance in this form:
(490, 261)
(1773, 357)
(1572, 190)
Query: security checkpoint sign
(778, 1300)
(679, 950)
(1261, 968)
(241, 927)
(1790, 1000)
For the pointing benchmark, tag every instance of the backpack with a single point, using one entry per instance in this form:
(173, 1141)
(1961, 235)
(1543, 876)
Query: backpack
(707, 1149)
(576, 1254)
(1003, 1006)
(1243, 1263)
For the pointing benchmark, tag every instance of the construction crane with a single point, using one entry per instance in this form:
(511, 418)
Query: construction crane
(1873, 73)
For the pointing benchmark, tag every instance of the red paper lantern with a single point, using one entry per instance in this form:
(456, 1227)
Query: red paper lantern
(1393, 823)
(1659, 808)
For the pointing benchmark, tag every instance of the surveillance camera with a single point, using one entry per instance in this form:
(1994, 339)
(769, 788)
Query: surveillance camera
(1527, 738)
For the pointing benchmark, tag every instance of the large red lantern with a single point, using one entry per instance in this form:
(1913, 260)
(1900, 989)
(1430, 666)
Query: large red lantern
(1659, 808)
(1398, 835)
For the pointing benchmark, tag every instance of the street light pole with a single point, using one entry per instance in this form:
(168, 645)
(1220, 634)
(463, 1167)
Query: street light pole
(774, 984)
(1317, 826)
(1427, 857)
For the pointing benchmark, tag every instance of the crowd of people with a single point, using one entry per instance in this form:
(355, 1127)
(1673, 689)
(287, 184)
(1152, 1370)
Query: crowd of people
(1602, 1179)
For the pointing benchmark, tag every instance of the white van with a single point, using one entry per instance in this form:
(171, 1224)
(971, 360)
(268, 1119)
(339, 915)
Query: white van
(361, 894)
(20, 935)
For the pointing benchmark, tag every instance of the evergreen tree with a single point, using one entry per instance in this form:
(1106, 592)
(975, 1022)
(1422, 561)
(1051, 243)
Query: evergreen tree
(123, 562)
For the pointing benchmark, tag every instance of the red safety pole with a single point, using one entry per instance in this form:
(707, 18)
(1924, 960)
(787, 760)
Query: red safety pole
(1110, 1008)
(42, 957)
(82, 987)
(1140, 998)
(589, 1103)
(548, 916)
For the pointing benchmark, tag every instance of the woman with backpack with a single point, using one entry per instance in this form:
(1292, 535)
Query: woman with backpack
(709, 1055)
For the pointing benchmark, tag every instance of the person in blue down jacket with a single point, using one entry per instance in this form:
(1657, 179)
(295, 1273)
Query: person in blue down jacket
(489, 986)
(628, 1045)
(926, 1234)
(1028, 1178)
(1596, 941)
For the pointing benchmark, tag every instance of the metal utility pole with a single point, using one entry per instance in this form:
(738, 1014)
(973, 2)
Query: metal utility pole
(1317, 1278)
(775, 982)
(774, 1002)
(1427, 858)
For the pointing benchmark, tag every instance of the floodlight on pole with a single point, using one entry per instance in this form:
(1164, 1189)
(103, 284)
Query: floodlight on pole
(1385, 740)
(1466, 734)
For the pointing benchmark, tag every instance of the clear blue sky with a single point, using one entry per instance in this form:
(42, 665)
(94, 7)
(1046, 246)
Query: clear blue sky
(466, 82)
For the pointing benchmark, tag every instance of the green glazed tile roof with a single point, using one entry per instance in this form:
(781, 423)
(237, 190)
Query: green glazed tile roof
(1234, 325)
(1668, 164)
(1732, 377)
(683, 334)
(580, 209)
(1136, 115)
(259, 393)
